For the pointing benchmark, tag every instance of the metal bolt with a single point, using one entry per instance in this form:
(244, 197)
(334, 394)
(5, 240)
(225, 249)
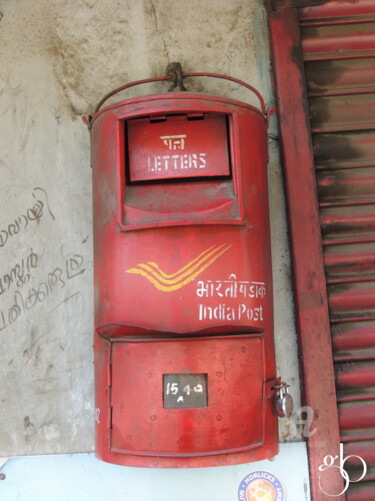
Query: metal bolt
(2, 476)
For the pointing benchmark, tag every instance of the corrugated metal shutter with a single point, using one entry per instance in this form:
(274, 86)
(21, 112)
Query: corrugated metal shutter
(338, 42)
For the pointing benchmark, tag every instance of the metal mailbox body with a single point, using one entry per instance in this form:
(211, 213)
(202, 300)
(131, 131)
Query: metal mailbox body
(184, 351)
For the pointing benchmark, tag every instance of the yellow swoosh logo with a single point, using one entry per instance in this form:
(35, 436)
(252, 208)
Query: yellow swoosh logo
(170, 282)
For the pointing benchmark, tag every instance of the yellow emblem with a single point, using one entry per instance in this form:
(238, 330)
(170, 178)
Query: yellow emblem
(171, 282)
(260, 490)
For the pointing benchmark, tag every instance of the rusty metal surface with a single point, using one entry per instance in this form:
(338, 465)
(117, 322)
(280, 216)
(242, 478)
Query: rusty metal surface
(348, 223)
(357, 417)
(343, 113)
(362, 492)
(351, 300)
(355, 380)
(339, 11)
(285, 4)
(335, 77)
(339, 49)
(345, 186)
(350, 262)
(310, 290)
(338, 41)
(344, 150)
(353, 340)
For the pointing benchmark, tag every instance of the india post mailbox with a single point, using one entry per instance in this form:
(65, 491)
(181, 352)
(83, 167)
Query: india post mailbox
(184, 353)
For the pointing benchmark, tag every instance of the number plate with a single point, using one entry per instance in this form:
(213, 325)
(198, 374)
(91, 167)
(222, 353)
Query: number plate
(184, 391)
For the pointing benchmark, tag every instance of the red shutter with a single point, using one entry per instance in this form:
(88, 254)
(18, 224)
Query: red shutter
(338, 42)
(338, 72)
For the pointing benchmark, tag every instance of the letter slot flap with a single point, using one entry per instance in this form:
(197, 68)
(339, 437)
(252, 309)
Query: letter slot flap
(178, 146)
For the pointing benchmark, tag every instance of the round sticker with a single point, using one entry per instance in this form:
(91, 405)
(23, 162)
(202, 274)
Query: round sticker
(261, 486)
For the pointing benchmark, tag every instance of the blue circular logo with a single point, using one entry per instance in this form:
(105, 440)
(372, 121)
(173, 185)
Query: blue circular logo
(261, 486)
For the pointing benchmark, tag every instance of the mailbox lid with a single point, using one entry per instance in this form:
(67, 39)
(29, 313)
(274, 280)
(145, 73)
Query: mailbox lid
(226, 416)
(178, 146)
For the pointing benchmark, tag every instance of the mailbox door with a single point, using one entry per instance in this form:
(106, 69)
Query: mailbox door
(207, 390)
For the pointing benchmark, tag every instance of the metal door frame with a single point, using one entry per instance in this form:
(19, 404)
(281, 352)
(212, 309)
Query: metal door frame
(311, 307)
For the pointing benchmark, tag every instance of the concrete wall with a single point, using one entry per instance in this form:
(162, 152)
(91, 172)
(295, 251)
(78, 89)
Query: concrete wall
(58, 58)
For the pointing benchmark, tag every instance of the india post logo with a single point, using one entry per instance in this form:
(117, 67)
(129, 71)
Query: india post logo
(261, 486)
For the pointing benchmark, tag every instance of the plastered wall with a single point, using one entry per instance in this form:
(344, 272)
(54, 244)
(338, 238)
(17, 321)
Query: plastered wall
(57, 59)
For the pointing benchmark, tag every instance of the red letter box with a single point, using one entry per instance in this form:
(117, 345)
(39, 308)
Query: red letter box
(184, 354)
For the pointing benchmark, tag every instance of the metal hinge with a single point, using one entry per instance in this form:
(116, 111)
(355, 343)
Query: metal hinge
(269, 388)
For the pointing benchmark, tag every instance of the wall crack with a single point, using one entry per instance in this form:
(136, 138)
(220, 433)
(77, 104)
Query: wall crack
(165, 50)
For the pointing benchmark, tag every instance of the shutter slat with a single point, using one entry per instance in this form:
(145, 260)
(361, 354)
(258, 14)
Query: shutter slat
(330, 78)
(346, 150)
(338, 11)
